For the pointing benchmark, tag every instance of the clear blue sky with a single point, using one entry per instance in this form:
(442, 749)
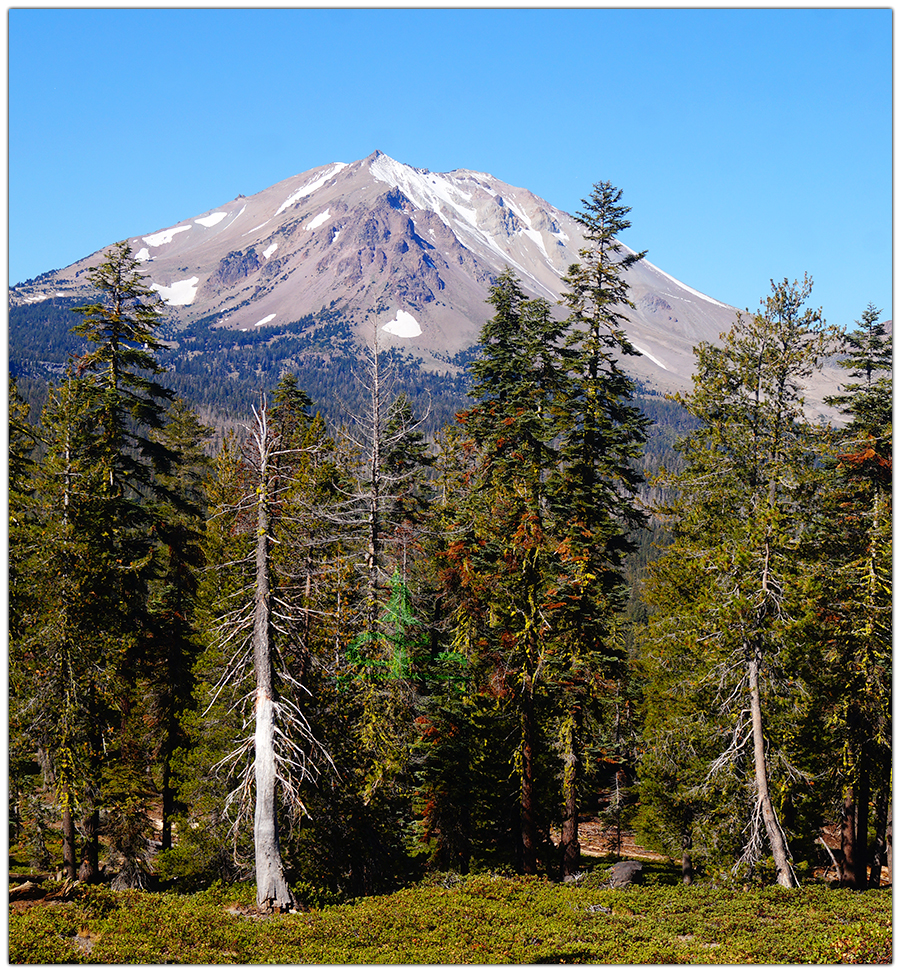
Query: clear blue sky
(750, 144)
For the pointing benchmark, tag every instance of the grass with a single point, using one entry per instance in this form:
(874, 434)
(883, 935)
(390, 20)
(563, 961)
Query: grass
(480, 919)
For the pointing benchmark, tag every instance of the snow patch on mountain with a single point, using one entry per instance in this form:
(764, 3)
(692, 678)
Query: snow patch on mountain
(311, 186)
(179, 292)
(317, 221)
(164, 236)
(212, 219)
(264, 321)
(685, 287)
(443, 194)
(267, 253)
(426, 190)
(404, 325)
(652, 358)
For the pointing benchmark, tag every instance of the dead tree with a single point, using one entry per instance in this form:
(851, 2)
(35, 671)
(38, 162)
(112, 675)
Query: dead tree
(283, 747)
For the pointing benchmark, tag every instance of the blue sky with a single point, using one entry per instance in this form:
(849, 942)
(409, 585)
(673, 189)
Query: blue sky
(751, 144)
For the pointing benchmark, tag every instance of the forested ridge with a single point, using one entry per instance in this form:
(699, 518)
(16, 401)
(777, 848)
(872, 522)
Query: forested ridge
(335, 653)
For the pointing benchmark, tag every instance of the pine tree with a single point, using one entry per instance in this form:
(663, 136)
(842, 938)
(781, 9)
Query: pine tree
(69, 625)
(126, 404)
(94, 565)
(857, 595)
(172, 641)
(503, 558)
(601, 440)
(123, 329)
(744, 515)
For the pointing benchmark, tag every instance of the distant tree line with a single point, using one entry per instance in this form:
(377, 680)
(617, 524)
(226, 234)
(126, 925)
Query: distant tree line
(333, 653)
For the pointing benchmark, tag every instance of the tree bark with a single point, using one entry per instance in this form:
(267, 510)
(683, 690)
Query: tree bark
(881, 817)
(526, 803)
(272, 891)
(889, 841)
(861, 833)
(848, 838)
(571, 848)
(168, 804)
(783, 871)
(687, 842)
(70, 865)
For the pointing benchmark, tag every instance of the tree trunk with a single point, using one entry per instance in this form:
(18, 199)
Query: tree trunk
(70, 865)
(571, 848)
(783, 871)
(881, 817)
(687, 842)
(272, 891)
(168, 804)
(848, 838)
(861, 833)
(89, 871)
(91, 824)
(889, 841)
(526, 803)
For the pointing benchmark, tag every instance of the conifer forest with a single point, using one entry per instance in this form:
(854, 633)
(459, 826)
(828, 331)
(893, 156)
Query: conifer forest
(331, 656)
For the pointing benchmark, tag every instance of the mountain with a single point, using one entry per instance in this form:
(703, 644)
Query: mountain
(347, 250)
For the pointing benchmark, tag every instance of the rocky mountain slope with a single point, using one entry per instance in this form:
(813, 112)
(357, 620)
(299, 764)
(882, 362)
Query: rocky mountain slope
(398, 251)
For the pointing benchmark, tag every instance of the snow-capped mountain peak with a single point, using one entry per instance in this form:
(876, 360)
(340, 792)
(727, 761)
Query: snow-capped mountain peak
(409, 252)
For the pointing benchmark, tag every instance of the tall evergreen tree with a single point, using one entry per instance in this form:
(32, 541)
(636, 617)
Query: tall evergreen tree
(69, 630)
(744, 518)
(172, 642)
(857, 595)
(123, 329)
(601, 442)
(96, 563)
(126, 404)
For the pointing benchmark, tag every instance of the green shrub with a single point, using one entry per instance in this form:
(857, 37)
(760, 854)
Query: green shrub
(483, 918)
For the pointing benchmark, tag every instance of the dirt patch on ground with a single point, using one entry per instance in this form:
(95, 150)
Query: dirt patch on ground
(598, 840)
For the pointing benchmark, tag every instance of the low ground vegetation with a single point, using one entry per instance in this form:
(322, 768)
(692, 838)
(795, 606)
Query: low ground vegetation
(484, 918)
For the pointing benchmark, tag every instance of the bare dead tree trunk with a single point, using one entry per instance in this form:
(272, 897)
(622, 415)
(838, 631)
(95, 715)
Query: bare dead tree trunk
(272, 891)
(778, 845)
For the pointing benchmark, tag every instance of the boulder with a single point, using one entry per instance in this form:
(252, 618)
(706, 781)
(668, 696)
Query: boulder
(625, 873)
